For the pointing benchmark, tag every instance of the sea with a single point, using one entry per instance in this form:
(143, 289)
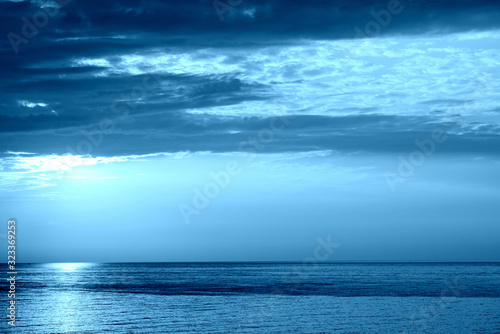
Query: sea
(255, 298)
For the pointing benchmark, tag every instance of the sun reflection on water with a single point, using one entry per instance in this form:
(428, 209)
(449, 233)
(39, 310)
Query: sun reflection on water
(68, 300)
(71, 267)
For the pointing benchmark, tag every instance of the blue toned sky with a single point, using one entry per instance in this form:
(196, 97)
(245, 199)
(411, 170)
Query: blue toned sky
(245, 130)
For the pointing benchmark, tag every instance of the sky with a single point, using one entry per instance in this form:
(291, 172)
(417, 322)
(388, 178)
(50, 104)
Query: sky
(242, 130)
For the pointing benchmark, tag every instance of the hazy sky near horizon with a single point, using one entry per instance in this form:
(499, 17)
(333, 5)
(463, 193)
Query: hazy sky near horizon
(177, 131)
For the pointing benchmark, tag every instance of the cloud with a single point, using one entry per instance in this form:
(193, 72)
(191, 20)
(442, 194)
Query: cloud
(220, 83)
(23, 171)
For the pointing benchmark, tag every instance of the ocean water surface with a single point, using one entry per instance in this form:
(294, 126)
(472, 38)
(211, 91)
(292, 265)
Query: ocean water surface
(257, 298)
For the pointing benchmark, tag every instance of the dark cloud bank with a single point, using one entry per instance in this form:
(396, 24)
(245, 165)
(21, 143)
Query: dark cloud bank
(41, 71)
